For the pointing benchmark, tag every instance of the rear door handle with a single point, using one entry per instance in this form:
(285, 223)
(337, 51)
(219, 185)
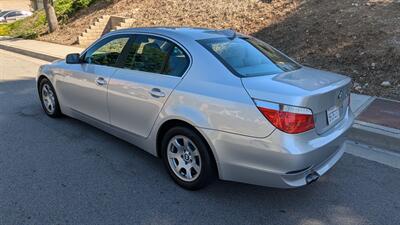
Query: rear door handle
(101, 81)
(157, 93)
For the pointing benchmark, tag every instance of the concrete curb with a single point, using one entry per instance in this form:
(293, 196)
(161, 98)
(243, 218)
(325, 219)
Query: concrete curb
(29, 53)
(372, 134)
(364, 103)
(375, 135)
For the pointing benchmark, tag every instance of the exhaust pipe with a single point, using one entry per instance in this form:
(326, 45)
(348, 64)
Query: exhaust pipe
(312, 177)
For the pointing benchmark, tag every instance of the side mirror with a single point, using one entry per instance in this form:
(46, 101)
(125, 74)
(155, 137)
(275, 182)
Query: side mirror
(74, 58)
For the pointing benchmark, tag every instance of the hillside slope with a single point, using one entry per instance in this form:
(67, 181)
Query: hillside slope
(245, 16)
(360, 38)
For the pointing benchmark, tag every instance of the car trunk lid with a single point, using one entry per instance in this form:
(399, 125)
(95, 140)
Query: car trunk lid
(322, 92)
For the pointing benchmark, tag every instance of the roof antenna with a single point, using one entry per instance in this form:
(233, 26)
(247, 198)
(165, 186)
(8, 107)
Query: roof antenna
(233, 34)
(230, 33)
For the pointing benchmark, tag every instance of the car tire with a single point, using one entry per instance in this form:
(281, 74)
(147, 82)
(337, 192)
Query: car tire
(187, 158)
(48, 99)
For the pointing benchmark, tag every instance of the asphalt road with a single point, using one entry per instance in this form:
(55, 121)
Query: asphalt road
(62, 171)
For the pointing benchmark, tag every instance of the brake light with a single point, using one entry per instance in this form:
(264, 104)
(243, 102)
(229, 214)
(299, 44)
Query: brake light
(289, 119)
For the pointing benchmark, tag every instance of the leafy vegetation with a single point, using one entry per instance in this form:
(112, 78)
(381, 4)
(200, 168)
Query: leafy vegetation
(28, 28)
(35, 25)
(66, 8)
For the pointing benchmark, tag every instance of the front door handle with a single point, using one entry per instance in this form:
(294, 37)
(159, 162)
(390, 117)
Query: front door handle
(157, 93)
(101, 81)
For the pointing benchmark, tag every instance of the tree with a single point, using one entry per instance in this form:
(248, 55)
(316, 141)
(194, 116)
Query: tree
(34, 4)
(50, 15)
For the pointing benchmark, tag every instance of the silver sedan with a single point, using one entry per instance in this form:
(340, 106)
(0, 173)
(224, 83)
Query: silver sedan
(12, 15)
(210, 103)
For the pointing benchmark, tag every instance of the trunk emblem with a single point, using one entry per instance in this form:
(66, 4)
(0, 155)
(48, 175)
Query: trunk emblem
(340, 95)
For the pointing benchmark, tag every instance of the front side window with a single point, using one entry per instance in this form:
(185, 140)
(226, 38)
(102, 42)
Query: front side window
(156, 55)
(4, 13)
(107, 53)
(248, 57)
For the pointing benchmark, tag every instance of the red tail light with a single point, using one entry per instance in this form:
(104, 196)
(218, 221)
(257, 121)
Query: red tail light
(289, 119)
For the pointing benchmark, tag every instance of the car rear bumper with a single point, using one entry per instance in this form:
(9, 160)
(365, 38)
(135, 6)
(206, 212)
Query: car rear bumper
(279, 160)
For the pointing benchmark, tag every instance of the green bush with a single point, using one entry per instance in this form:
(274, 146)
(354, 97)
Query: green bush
(31, 27)
(28, 28)
(66, 8)
(4, 30)
(83, 3)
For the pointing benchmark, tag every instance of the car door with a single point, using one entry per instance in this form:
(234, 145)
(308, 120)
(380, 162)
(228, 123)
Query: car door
(152, 68)
(18, 15)
(84, 86)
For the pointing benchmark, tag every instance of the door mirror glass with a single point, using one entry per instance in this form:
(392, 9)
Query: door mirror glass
(73, 58)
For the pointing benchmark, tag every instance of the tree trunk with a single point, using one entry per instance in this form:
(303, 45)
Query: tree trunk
(50, 15)
(34, 5)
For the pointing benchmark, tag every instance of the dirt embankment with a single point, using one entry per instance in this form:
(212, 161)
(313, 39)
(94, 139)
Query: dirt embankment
(359, 38)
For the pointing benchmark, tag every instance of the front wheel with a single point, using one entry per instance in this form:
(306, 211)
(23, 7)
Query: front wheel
(187, 158)
(49, 99)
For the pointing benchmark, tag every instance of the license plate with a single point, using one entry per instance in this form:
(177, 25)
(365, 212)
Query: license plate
(333, 114)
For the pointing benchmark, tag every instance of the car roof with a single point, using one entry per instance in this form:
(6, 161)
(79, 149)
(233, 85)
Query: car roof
(13, 10)
(194, 33)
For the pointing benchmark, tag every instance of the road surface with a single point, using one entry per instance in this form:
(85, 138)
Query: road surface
(63, 171)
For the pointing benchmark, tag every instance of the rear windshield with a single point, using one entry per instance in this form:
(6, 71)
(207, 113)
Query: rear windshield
(247, 57)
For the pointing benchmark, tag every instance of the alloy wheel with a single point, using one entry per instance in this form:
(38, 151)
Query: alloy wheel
(48, 99)
(184, 158)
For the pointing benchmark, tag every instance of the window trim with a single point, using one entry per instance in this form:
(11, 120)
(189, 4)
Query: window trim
(132, 35)
(174, 44)
(103, 41)
(11, 12)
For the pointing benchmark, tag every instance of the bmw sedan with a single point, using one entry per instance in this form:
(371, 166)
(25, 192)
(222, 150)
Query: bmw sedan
(210, 103)
(12, 15)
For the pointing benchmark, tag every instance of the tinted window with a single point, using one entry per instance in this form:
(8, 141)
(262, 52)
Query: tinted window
(177, 62)
(11, 14)
(156, 55)
(249, 56)
(148, 54)
(4, 13)
(107, 53)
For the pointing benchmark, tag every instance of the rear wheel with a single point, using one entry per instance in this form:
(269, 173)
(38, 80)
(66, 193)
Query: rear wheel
(187, 158)
(48, 98)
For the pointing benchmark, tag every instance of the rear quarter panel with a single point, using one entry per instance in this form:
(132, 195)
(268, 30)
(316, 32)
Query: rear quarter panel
(212, 98)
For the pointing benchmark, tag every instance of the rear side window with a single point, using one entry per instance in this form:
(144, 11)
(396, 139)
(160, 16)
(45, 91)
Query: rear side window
(156, 55)
(177, 63)
(11, 14)
(248, 57)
